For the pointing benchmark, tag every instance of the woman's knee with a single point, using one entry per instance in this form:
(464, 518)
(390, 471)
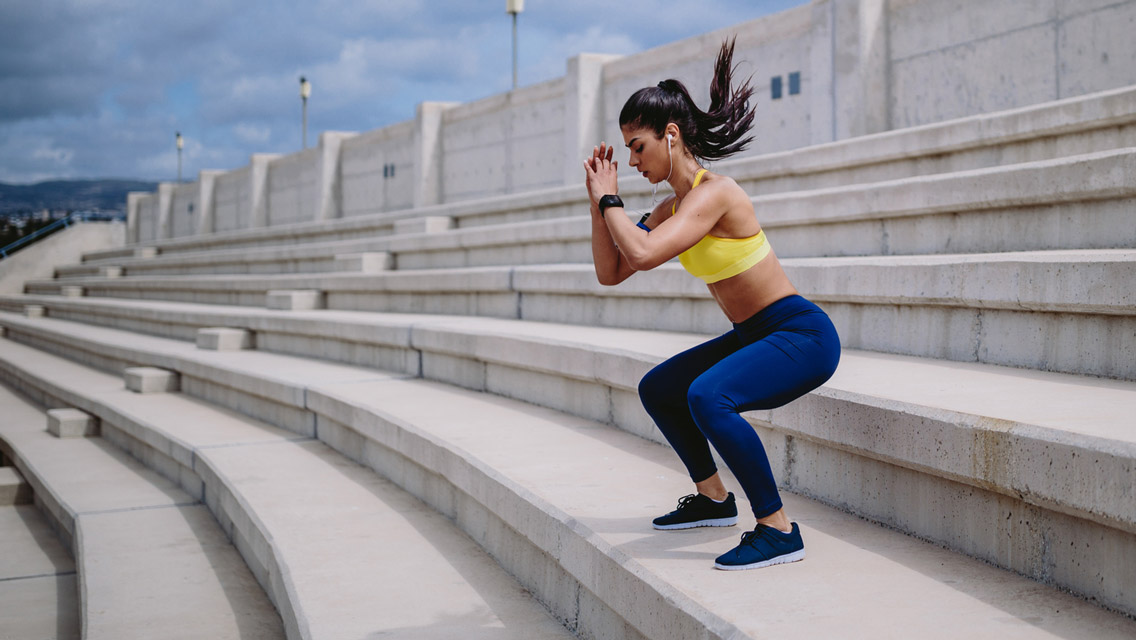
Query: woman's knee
(707, 403)
(655, 387)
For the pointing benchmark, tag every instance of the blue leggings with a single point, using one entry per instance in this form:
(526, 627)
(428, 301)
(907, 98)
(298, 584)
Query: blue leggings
(784, 351)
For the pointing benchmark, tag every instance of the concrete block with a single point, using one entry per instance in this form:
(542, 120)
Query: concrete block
(151, 380)
(424, 224)
(295, 299)
(34, 310)
(13, 489)
(71, 291)
(366, 262)
(110, 272)
(71, 423)
(224, 339)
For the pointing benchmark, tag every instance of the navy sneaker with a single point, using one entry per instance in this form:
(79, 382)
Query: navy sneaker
(696, 510)
(763, 547)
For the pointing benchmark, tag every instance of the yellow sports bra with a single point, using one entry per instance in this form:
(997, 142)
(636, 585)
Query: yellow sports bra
(714, 258)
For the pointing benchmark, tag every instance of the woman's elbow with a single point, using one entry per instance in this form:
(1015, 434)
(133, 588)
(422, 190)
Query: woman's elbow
(608, 279)
(642, 262)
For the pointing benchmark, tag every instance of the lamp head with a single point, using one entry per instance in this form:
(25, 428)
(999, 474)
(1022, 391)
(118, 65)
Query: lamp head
(305, 88)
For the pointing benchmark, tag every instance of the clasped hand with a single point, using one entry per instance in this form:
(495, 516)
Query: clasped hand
(601, 173)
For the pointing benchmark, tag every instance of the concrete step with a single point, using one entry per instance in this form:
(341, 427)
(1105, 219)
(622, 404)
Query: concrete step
(1080, 202)
(1077, 202)
(14, 490)
(37, 579)
(1085, 124)
(342, 553)
(1062, 311)
(149, 555)
(1074, 126)
(484, 461)
(315, 257)
(974, 439)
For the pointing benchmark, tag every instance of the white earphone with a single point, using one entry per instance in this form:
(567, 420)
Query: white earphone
(670, 160)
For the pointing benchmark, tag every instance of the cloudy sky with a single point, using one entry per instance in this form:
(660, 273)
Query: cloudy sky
(97, 88)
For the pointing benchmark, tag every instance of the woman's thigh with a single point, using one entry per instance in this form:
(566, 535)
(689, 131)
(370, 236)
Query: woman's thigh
(766, 374)
(670, 380)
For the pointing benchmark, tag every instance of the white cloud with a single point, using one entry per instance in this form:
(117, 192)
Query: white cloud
(252, 133)
(94, 88)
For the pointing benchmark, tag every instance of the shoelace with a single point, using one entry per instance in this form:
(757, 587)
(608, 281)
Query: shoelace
(749, 537)
(685, 501)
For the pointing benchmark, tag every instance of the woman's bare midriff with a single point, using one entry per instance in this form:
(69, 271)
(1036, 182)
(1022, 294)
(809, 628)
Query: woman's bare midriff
(743, 295)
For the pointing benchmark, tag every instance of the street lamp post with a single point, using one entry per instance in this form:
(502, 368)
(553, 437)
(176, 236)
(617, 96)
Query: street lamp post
(513, 7)
(180, 144)
(305, 91)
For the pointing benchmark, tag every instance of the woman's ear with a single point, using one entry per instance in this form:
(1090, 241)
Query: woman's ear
(671, 132)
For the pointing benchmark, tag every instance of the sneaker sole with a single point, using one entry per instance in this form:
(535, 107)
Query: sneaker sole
(796, 556)
(716, 522)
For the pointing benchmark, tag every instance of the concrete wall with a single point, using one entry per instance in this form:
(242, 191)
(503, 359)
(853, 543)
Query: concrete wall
(144, 223)
(377, 171)
(184, 210)
(67, 246)
(845, 68)
(508, 143)
(232, 199)
(954, 59)
(293, 184)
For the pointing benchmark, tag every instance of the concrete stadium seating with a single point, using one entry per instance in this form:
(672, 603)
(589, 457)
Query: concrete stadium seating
(971, 467)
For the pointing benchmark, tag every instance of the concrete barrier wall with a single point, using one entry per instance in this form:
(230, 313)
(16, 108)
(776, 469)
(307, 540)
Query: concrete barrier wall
(377, 171)
(772, 47)
(824, 71)
(231, 200)
(184, 210)
(293, 184)
(948, 61)
(145, 227)
(504, 144)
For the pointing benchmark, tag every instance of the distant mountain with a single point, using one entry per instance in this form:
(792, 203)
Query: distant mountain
(70, 195)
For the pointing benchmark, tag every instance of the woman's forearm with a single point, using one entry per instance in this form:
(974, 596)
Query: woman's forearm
(611, 267)
(631, 240)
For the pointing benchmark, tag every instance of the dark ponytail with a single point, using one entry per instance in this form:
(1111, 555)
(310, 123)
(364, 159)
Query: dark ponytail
(712, 134)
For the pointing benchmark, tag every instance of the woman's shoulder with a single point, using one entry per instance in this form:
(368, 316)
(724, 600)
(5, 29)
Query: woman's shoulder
(721, 182)
(722, 188)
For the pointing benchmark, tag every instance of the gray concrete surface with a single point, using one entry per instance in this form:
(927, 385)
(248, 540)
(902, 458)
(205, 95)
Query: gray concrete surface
(896, 416)
(476, 458)
(63, 247)
(14, 489)
(1064, 311)
(148, 556)
(341, 552)
(71, 423)
(37, 579)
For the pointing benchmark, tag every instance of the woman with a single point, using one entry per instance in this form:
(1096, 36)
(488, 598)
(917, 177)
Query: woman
(782, 346)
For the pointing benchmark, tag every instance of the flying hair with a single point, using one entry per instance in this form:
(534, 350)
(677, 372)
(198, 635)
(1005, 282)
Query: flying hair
(719, 132)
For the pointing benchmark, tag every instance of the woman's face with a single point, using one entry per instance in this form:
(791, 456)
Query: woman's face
(649, 153)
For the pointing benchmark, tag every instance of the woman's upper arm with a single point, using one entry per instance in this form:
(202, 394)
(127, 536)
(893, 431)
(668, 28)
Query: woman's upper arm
(694, 219)
(660, 213)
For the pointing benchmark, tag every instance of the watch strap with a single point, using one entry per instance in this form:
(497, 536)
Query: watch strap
(610, 200)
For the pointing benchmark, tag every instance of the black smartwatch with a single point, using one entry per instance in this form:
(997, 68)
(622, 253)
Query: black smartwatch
(609, 201)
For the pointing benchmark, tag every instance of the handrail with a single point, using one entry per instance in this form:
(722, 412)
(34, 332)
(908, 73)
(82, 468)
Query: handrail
(83, 216)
